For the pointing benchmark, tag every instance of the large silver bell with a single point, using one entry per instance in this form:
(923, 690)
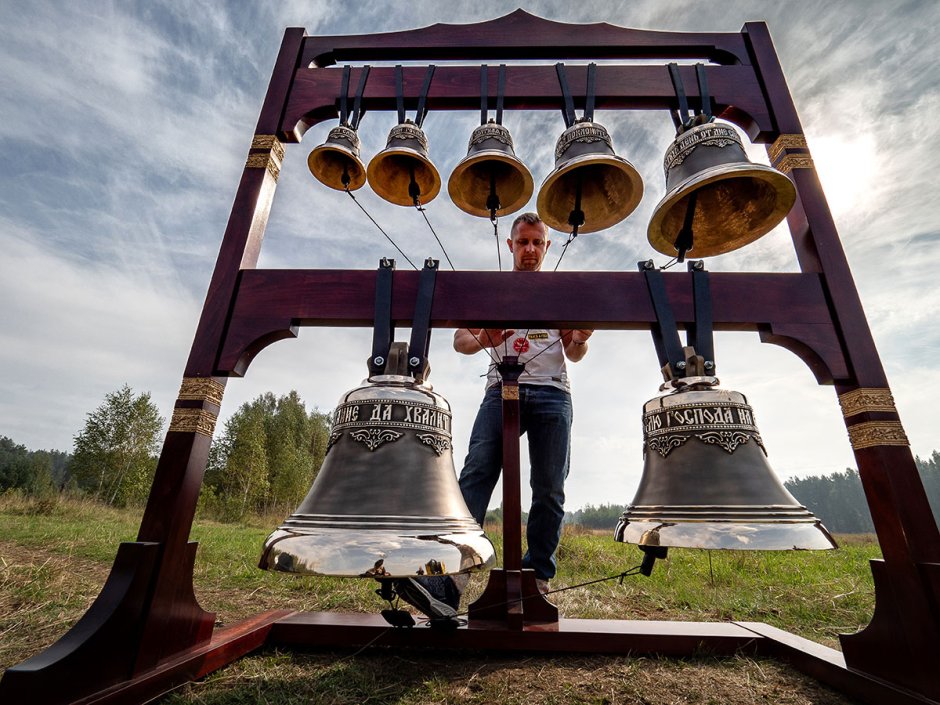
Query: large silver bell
(490, 169)
(386, 500)
(588, 173)
(735, 200)
(706, 481)
(403, 173)
(336, 162)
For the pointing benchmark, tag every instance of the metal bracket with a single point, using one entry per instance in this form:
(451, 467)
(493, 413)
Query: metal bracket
(664, 331)
(699, 334)
(383, 332)
(421, 324)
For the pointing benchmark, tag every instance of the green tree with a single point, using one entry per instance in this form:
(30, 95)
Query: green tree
(837, 499)
(930, 475)
(267, 456)
(14, 464)
(114, 457)
(34, 472)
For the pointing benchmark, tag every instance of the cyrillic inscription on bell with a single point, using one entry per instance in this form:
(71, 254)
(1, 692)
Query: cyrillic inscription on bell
(386, 501)
(713, 187)
(706, 481)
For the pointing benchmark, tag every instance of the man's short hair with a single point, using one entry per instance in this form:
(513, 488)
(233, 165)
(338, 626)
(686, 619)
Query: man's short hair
(531, 219)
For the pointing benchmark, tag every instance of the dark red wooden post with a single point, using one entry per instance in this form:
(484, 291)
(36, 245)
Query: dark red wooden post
(511, 595)
(902, 643)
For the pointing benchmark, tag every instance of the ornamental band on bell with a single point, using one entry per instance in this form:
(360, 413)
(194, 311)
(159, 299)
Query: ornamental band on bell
(406, 131)
(490, 132)
(727, 426)
(375, 422)
(585, 132)
(709, 135)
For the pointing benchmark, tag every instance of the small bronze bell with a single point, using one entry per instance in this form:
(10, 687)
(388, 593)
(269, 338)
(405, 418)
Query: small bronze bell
(732, 200)
(336, 162)
(403, 173)
(491, 178)
(706, 481)
(386, 501)
(589, 181)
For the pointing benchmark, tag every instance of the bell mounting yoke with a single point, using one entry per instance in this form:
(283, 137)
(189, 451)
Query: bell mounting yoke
(696, 360)
(382, 361)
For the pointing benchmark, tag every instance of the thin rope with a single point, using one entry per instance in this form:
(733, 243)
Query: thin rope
(499, 250)
(564, 249)
(356, 201)
(422, 212)
(625, 574)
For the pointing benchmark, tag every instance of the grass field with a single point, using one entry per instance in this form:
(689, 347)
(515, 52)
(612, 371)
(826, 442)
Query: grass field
(54, 557)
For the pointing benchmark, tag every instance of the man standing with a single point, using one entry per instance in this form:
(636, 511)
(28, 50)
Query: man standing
(545, 411)
(545, 416)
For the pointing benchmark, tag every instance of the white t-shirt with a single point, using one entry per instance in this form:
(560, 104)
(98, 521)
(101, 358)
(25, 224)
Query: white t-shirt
(543, 353)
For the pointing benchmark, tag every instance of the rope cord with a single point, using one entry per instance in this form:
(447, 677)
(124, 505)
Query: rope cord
(356, 201)
(422, 211)
(618, 576)
(564, 249)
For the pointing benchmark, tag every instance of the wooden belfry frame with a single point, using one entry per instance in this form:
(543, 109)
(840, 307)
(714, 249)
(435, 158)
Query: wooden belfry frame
(146, 633)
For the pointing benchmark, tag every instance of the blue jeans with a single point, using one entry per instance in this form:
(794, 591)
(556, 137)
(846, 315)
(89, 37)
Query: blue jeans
(545, 416)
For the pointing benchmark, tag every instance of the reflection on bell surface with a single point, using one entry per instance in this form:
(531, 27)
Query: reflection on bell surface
(706, 481)
(733, 200)
(491, 177)
(386, 501)
(336, 162)
(588, 177)
(403, 173)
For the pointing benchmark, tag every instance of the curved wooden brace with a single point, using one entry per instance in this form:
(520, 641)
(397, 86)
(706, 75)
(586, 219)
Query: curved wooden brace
(815, 344)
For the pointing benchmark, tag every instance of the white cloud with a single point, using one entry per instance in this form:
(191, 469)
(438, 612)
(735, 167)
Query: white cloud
(130, 127)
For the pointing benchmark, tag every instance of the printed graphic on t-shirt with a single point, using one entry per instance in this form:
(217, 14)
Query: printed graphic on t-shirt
(520, 345)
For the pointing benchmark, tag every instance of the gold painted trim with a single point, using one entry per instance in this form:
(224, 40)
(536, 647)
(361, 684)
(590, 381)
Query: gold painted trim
(795, 161)
(193, 421)
(264, 161)
(877, 433)
(784, 142)
(202, 389)
(864, 399)
(510, 392)
(270, 142)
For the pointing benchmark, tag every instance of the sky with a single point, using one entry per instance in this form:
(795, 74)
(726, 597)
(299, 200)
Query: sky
(126, 127)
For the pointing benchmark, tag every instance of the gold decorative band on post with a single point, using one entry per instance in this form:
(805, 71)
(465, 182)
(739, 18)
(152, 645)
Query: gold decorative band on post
(510, 392)
(795, 161)
(193, 421)
(270, 142)
(864, 399)
(877, 433)
(784, 142)
(264, 161)
(202, 389)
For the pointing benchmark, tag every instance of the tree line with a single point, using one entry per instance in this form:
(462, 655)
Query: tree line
(265, 458)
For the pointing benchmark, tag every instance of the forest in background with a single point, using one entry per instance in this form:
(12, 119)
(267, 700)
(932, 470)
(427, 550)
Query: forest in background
(269, 451)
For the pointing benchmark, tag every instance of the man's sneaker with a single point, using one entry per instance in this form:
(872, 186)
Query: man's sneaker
(437, 596)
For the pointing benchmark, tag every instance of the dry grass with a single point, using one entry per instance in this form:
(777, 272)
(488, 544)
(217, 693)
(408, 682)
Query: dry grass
(53, 561)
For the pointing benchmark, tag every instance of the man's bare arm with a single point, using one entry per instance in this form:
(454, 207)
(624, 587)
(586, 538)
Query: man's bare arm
(575, 342)
(471, 340)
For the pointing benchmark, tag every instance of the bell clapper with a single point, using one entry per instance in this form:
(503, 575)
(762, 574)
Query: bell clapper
(683, 241)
